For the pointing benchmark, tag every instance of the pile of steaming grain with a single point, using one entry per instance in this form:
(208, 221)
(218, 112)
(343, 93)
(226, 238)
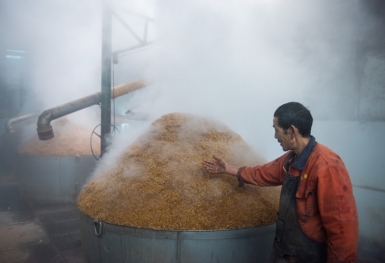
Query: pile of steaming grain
(159, 181)
(70, 140)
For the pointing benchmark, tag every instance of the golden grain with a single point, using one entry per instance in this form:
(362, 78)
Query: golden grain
(70, 140)
(159, 182)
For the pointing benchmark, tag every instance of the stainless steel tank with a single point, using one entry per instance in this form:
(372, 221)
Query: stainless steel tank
(8, 146)
(53, 179)
(103, 242)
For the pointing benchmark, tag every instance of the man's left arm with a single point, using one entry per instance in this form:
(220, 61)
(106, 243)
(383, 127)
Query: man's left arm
(339, 213)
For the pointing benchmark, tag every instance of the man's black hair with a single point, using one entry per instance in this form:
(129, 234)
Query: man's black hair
(294, 113)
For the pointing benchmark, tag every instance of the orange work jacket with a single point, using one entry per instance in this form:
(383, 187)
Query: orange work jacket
(326, 206)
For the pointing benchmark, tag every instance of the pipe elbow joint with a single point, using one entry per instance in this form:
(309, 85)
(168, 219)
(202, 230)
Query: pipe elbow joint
(44, 128)
(8, 127)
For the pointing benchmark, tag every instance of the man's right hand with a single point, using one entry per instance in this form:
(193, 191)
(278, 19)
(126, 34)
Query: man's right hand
(219, 166)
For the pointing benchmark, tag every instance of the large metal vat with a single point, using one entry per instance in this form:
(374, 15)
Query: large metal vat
(8, 146)
(104, 242)
(53, 179)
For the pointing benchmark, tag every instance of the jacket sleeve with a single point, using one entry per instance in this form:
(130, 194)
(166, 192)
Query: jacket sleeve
(339, 213)
(269, 174)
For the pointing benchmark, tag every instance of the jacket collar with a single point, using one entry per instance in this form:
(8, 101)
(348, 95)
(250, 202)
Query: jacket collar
(300, 161)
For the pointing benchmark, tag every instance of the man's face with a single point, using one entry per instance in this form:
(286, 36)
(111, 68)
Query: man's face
(285, 138)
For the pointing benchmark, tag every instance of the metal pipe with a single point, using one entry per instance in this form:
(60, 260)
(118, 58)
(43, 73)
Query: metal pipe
(8, 124)
(117, 52)
(44, 128)
(105, 104)
(128, 88)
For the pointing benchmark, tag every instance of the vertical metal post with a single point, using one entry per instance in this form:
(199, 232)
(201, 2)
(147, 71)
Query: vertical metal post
(106, 74)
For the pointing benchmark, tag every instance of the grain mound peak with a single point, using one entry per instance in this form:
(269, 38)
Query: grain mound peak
(159, 183)
(70, 140)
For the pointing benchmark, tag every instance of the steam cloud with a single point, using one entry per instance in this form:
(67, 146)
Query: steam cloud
(235, 61)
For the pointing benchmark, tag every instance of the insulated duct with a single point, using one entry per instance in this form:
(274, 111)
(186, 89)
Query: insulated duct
(44, 128)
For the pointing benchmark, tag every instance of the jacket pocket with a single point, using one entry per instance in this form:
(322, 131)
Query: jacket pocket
(307, 205)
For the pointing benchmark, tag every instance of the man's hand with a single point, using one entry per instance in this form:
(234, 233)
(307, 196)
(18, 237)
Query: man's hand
(219, 166)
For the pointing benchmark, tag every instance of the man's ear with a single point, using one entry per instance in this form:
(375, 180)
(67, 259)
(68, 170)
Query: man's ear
(294, 130)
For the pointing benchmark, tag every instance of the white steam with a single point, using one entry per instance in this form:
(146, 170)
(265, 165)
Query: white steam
(235, 61)
(238, 61)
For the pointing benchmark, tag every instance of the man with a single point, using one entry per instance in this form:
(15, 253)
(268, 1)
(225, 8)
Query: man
(317, 216)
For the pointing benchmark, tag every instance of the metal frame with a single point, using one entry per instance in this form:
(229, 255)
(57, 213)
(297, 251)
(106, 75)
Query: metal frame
(107, 56)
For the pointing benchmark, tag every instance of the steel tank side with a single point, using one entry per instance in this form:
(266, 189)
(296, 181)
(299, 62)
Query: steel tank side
(8, 146)
(136, 245)
(53, 179)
